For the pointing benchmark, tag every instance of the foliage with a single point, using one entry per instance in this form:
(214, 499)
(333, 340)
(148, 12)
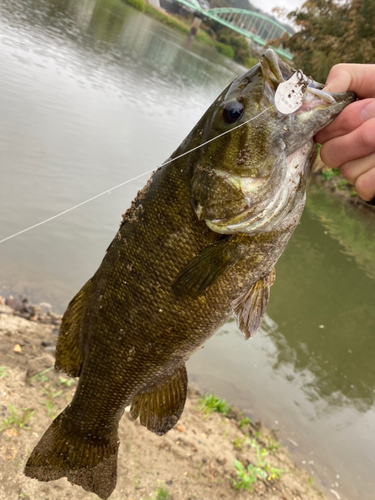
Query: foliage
(50, 405)
(137, 4)
(331, 32)
(246, 477)
(18, 418)
(2, 372)
(244, 421)
(210, 403)
(250, 62)
(330, 173)
(66, 382)
(225, 49)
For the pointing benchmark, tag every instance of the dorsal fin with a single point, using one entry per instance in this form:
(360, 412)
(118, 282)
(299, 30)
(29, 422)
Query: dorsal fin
(250, 307)
(69, 355)
(160, 408)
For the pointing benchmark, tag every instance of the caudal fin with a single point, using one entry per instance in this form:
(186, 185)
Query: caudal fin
(84, 461)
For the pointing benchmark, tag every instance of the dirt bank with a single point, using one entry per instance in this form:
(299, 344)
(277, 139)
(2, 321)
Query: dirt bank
(195, 460)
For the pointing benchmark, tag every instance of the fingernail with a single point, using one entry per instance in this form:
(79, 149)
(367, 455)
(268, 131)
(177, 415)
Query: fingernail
(368, 111)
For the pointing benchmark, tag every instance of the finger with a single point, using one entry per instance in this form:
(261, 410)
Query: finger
(360, 78)
(357, 144)
(365, 185)
(348, 120)
(353, 169)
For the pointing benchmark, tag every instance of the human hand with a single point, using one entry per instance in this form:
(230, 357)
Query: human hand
(348, 142)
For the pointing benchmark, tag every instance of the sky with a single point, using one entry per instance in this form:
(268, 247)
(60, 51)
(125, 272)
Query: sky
(268, 5)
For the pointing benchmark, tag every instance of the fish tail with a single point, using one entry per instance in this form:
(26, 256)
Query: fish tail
(87, 462)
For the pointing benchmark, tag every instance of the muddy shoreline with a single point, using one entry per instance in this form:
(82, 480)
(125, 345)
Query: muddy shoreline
(195, 460)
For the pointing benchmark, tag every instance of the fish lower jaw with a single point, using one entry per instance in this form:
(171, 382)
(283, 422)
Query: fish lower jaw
(282, 199)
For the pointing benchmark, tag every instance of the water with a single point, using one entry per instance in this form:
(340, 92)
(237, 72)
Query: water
(93, 93)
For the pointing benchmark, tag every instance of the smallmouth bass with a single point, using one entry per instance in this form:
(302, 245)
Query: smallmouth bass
(198, 244)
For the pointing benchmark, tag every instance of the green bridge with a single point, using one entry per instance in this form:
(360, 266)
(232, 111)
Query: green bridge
(250, 24)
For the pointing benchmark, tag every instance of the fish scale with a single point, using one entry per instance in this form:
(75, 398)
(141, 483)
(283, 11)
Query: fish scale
(198, 244)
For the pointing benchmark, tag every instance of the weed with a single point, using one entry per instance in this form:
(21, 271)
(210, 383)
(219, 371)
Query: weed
(272, 444)
(310, 482)
(210, 403)
(244, 421)
(2, 372)
(330, 173)
(65, 381)
(161, 493)
(273, 472)
(246, 477)
(343, 184)
(240, 442)
(50, 405)
(40, 376)
(18, 418)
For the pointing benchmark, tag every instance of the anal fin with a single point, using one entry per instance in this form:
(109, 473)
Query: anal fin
(160, 408)
(249, 308)
(69, 355)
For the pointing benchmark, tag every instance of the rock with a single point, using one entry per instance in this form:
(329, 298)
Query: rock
(17, 348)
(45, 307)
(39, 364)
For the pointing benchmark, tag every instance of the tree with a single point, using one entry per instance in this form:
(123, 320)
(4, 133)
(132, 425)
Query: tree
(331, 32)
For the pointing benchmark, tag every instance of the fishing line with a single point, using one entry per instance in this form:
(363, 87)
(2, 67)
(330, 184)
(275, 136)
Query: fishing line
(130, 180)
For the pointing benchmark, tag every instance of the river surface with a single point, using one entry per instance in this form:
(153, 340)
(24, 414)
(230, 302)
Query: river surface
(93, 93)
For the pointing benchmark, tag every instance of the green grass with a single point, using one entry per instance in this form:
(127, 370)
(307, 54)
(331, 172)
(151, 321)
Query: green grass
(18, 418)
(161, 493)
(3, 373)
(210, 403)
(40, 377)
(50, 405)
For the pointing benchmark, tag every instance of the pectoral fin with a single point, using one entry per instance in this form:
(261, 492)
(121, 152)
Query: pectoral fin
(250, 307)
(206, 268)
(160, 408)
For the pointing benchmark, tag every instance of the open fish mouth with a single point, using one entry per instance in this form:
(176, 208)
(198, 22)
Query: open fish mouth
(315, 97)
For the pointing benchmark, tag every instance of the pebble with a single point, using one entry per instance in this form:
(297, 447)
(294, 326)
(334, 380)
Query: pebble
(17, 348)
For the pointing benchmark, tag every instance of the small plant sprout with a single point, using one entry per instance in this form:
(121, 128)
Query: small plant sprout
(210, 403)
(40, 377)
(244, 421)
(161, 492)
(50, 405)
(66, 381)
(2, 372)
(247, 476)
(18, 418)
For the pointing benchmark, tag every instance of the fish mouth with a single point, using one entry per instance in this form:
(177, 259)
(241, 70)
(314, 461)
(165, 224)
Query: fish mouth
(315, 97)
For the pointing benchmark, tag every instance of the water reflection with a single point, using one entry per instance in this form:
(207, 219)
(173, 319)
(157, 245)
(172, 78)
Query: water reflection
(322, 303)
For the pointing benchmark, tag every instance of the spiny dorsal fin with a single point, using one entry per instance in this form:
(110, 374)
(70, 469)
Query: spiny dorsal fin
(205, 269)
(69, 356)
(250, 307)
(160, 408)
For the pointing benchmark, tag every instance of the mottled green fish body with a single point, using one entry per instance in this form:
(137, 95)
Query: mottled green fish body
(198, 244)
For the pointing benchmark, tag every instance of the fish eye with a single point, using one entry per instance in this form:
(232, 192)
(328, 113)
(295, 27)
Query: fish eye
(233, 111)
